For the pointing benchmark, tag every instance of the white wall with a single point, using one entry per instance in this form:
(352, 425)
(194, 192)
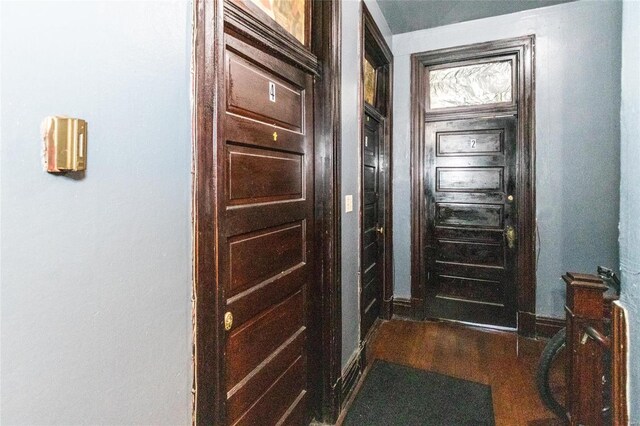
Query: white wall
(577, 58)
(630, 194)
(96, 272)
(351, 53)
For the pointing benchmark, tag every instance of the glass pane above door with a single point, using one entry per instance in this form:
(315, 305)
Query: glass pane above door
(478, 84)
(290, 14)
(369, 83)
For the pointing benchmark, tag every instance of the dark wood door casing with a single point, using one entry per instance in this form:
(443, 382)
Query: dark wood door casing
(377, 52)
(523, 107)
(266, 251)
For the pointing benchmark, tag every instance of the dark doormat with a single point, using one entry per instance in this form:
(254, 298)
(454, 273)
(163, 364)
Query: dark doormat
(393, 394)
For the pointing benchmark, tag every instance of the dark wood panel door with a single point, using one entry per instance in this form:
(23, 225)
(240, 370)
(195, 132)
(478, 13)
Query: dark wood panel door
(266, 239)
(371, 224)
(470, 240)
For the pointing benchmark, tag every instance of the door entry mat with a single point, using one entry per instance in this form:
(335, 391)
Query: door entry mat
(394, 394)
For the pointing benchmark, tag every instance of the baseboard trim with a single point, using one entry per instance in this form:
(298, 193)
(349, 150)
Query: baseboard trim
(350, 377)
(402, 308)
(548, 327)
(387, 309)
(526, 324)
(417, 309)
(356, 366)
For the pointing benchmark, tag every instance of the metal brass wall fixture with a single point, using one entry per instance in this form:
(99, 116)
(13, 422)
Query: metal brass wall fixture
(65, 144)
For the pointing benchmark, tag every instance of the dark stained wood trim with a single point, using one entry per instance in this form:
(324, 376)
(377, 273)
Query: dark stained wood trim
(357, 365)
(351, 391)
(373, 112)
(326, 44)
(402, 308)
(470, 114)
(374, 45)
(417, 308)
(350, 377)
(208, 346)
(585, 367)
(527, 321)
(548, 327)
(523, 48)
(526, 194)
(619, 350)
(387, 308)
(324, 62)
(417, 189)
(249, 20)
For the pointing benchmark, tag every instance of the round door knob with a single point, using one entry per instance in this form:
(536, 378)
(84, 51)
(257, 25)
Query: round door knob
(228, 321)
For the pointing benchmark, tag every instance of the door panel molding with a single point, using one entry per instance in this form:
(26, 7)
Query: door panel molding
(321, 61)
(252, 22)
(522, 51)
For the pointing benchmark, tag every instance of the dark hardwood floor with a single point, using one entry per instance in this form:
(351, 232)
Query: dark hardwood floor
(502, 360)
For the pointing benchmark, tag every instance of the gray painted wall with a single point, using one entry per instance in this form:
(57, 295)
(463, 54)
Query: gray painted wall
(349, 179)
(96, 272)
(351, 51)
(577, 131)
(630, 194)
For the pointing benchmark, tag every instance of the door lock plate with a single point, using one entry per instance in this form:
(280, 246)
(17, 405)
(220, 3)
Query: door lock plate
(511, 236)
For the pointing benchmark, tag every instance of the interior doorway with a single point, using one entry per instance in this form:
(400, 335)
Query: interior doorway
(376, 288)
(265, 209)
(473, 184)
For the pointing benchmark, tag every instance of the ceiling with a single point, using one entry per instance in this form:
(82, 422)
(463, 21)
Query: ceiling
(411, 15)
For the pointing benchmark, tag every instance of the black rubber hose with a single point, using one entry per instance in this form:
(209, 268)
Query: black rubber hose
(549, 355)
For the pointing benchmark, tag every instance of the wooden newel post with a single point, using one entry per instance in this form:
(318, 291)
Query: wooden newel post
(584, 309)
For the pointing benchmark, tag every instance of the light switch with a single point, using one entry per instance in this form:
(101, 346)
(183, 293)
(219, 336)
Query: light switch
(348, 203)
(65, 144)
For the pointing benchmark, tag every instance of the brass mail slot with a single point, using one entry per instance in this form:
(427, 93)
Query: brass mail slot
(65, 144)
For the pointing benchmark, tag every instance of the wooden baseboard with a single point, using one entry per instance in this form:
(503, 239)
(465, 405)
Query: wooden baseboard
(402, 307)
(387, 309)
(417, 309)
(356, 366)
(548, 327)
(619, 348)
(526, 324)
(350, 377)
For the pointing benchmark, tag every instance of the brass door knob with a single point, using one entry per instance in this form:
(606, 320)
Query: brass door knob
(380, 230)
(228, 321)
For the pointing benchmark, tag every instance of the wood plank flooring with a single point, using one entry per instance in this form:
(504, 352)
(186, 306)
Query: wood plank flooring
(502, 360)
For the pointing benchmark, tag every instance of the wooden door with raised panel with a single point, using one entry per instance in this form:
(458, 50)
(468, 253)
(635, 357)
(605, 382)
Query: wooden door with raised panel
(266, 236)
(470, 240)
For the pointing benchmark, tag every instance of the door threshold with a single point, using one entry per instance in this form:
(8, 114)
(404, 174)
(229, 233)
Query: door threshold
(475, 324)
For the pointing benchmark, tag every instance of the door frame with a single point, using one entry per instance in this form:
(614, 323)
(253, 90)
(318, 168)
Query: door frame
(374, 45)
(523, 49)
(211, 17)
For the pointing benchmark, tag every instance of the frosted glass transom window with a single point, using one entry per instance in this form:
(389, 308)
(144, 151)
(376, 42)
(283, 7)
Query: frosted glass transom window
(479, 84)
